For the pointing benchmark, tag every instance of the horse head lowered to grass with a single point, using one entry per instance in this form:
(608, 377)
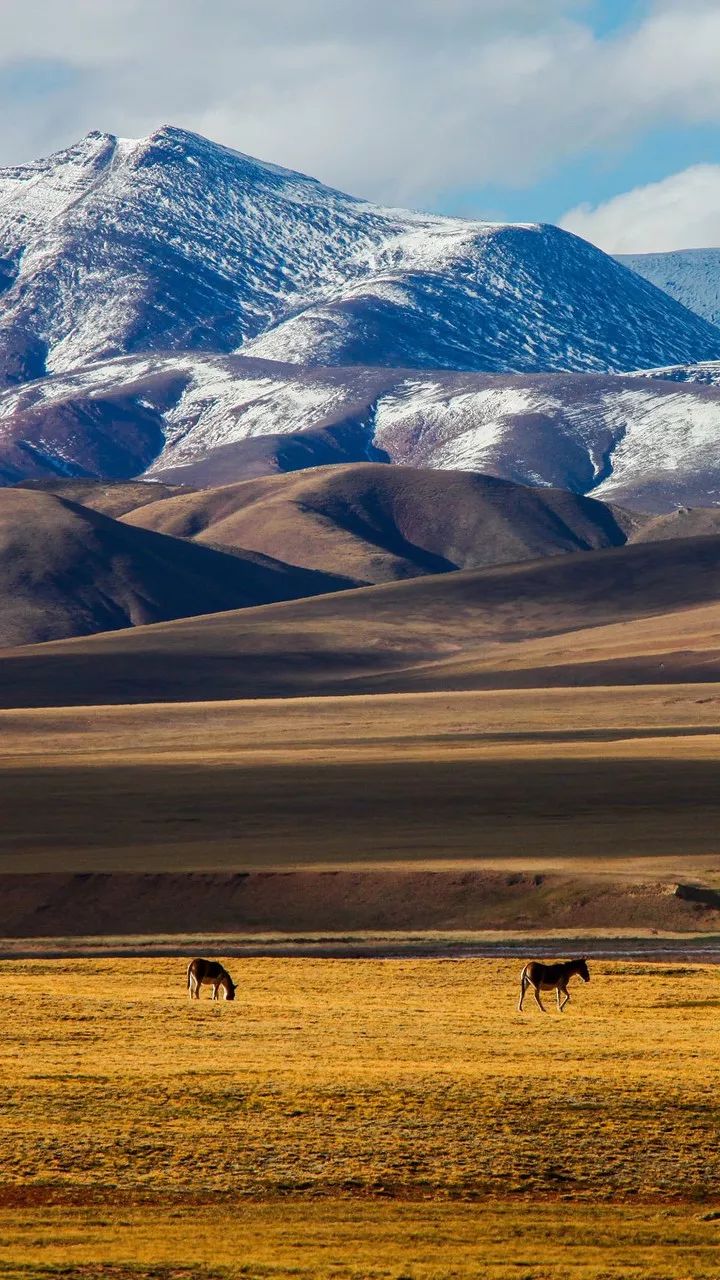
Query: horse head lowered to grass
(211, 973)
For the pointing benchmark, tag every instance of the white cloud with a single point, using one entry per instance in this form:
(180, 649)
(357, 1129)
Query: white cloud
(394, 99)
(681, 212)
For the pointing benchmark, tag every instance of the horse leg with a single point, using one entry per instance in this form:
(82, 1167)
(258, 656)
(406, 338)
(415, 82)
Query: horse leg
(523, 988)
(538, 1001)
(557, 996)
(216, 988)
(566, 993)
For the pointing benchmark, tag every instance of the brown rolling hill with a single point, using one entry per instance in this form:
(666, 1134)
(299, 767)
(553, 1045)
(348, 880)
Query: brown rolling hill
(66, 570)
(376, 523)
(685, 522)
(661, 601)
(112, 497)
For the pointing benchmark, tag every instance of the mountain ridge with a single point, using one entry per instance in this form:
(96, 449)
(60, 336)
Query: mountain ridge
(113, 246)
(646, 441)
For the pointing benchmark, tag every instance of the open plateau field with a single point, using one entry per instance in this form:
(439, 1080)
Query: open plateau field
(564, 808)
(358, 1119)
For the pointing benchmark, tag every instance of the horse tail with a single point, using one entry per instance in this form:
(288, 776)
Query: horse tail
(189, 972)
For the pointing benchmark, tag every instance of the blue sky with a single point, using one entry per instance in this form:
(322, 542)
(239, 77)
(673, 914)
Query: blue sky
(602, 115)
(600, 173)
(591, 178)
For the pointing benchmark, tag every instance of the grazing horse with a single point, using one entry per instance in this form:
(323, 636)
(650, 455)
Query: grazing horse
(210, 972)
(551, 977)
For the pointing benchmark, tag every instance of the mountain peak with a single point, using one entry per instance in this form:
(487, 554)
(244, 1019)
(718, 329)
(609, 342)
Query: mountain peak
(173, 242)
(170, 141)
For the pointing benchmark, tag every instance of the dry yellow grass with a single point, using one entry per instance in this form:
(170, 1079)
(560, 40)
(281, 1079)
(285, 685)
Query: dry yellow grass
(357, 1119)
(362, 727)
(346, 1240)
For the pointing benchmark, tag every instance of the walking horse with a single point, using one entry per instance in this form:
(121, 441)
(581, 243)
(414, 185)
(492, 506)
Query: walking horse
(551, 977)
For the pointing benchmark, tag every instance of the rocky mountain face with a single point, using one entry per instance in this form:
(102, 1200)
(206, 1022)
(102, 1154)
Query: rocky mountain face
(173, 309)
(170, 242)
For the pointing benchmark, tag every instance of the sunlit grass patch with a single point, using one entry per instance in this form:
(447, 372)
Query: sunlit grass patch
(366, 1240)
(404, 1103)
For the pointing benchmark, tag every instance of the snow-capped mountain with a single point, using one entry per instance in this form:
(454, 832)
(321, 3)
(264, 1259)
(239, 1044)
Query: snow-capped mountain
(643, 441)
(170, 242)
(690, 276)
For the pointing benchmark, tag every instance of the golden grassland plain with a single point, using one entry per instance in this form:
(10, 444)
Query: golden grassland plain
(353, 1120)
(544, 775)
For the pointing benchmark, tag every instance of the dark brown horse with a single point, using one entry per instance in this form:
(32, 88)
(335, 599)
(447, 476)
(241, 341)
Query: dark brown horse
(551, 977)
(211, 973)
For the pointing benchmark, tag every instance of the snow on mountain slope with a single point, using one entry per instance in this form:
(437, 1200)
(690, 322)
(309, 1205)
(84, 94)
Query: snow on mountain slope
(207, 420)
(707, 373)
(666, 451)
(170, 242)
(114, 418)
(690, 276)
(521, 299)
(644, 446)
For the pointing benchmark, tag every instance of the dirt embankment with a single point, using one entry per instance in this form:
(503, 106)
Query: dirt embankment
(74, 905)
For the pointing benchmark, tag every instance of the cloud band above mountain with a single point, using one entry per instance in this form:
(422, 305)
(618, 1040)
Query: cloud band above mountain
(681, 212)
(401, 102)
